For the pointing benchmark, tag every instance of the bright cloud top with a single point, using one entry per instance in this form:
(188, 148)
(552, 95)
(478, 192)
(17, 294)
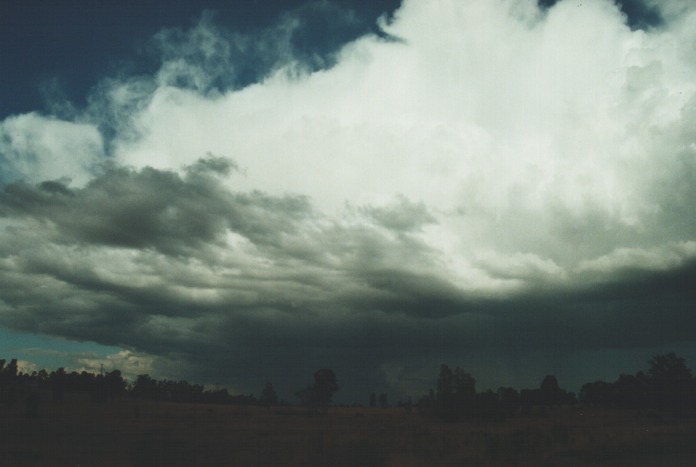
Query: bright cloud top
(481, 152)
(490, 114)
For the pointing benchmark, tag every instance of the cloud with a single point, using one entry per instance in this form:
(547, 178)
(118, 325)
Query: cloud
(662, 258)
(501, 181)
(400, 215)
(130, 364)
(38, 148)
(521, 266)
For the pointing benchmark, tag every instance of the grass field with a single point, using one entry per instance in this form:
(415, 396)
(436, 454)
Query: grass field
(134, 433)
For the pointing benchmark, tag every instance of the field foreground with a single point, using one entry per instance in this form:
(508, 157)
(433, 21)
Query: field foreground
(135, 433)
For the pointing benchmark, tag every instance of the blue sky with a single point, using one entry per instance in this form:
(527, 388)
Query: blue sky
(67, 47)
(240, 192)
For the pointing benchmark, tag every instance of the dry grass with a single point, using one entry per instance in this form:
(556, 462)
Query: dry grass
(130, 433)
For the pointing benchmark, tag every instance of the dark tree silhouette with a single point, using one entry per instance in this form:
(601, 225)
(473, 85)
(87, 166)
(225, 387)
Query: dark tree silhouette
(550, 393)
(509, 400)
(145, 387)
(599, 393)
(57, 380)
(8, 381)
(373, 400)
(456, 393)
(115, 384)
(669, 368)
(630, 391)
(670, 382)
(268, 396)
(321, 391)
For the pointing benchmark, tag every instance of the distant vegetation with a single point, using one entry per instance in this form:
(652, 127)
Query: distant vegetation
(641, 419)
(666, 384)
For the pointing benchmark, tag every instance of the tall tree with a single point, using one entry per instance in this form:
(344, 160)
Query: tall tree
(321, 391)
(456, 393)
(670, 383)
(268, 395)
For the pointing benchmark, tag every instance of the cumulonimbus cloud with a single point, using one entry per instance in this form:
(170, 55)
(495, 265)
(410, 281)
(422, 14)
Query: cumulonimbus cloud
(475, 175)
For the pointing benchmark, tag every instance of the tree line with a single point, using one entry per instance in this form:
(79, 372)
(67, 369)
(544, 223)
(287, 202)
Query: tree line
(666, 384)
(16, 386)
(455, 397)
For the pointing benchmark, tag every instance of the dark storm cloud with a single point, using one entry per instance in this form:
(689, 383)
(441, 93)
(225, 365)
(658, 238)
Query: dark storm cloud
(299, 292)
(153, 209)
(285, 348)
(130, 260)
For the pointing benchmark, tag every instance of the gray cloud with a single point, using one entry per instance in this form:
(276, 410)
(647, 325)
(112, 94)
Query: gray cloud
(238, 287)
(401, 215)
(154, 209)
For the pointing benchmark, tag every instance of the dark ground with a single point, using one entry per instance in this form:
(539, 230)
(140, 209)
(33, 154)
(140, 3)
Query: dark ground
(77, 432)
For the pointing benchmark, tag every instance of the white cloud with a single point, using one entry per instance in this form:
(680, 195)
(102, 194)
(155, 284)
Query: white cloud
(26, 367)
(37, 148)
(131, 364)
(481, 108)
(658, 258)
(562, 127)
(521, 267)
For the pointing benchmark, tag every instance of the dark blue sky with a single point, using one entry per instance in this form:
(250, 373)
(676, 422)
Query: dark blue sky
(67, 46)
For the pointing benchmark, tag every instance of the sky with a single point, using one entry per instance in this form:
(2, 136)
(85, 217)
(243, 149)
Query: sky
(243, 191)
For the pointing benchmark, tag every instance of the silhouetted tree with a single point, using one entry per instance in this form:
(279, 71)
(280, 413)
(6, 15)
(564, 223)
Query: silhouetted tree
(8, 381)
(426, 402)
(509, 400)
(487, 406)
(549, 385)
(217, 396)
(145, 387)
(115, 385)
(550, 393)
(57, 380)
(268, 396)
(98, 390)
(456, 393)
(11, 369)
(325, 385)
(670, 383)
(383, 401)
(322, 391)
(599, 394)
(669, 368)
(630, 391)
(373, 400)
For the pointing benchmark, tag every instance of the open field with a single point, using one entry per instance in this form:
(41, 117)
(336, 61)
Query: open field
(134, 433)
